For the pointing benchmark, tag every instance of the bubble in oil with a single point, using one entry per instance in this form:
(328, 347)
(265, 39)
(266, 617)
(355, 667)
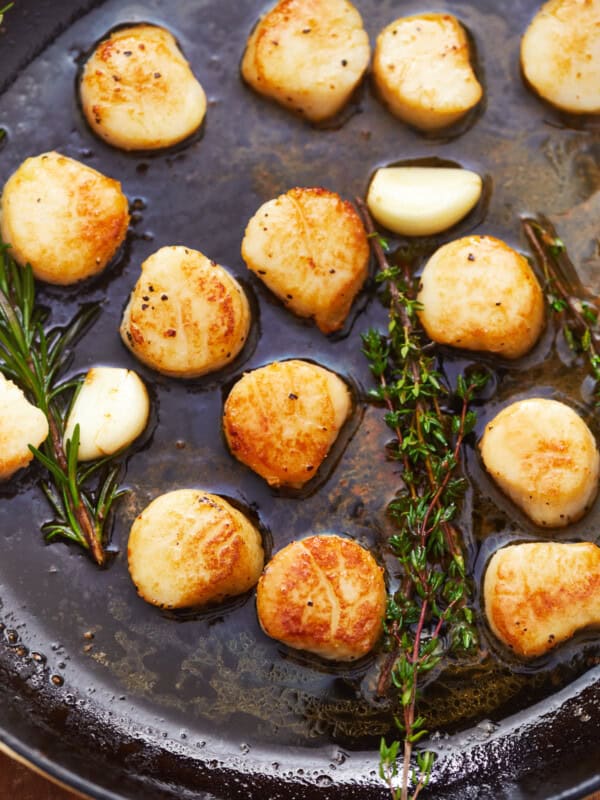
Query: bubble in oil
(324, 780)
(487, 727)
(581, 714)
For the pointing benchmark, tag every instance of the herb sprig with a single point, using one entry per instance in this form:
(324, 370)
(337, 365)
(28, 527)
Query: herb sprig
(566, 296)
(430, 613)
(35, 356)
(4, 10)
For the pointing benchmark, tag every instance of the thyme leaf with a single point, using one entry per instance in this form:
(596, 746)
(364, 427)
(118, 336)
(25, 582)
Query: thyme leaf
(430, 614)
(566, 295)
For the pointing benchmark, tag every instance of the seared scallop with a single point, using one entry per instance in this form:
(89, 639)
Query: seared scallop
(21, 424)
(310, 248)
(63, 218)
(138, 91)
(281, 420)
(560, 54)
(422, 70)
(308, 55)
(191, 548)
(539, 594)
(323, 594)
(111, 409)
(186, 316)
(544, 457)
(479, 294)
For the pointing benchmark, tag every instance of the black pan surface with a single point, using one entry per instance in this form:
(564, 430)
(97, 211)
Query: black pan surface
(205, 706)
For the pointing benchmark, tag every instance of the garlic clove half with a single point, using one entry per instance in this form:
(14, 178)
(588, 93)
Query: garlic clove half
(421, 201)
(111, 409)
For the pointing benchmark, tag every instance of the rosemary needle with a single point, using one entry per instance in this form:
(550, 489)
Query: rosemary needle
(35, 356)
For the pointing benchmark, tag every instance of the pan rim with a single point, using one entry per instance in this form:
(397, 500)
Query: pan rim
(518, 729)
(56, 770)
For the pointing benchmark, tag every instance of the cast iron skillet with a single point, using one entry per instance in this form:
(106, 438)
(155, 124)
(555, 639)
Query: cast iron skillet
(205, 706)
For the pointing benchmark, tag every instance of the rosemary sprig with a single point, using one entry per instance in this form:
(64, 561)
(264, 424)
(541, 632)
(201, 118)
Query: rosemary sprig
(35, 357)
(429, 615)
(567, 297)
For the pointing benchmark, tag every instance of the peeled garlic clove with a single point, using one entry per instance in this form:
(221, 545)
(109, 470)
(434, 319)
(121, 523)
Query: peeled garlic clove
(421, 201)
(111, 410)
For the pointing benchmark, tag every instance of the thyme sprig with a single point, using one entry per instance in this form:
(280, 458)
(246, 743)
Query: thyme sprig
(429, 615)
(575, 307)
(35, 357)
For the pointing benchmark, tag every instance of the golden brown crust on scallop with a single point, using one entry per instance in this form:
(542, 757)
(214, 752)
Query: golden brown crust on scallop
(308, 55)
(422, 70)
(560, 54)
(138, 91)
(186, 316)
(537, 595)
(324, 594)
(310, 248)
(190, 548)
(21, 424)
(478, 293)
(281, 420)
(545, 458)
(64, 218)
